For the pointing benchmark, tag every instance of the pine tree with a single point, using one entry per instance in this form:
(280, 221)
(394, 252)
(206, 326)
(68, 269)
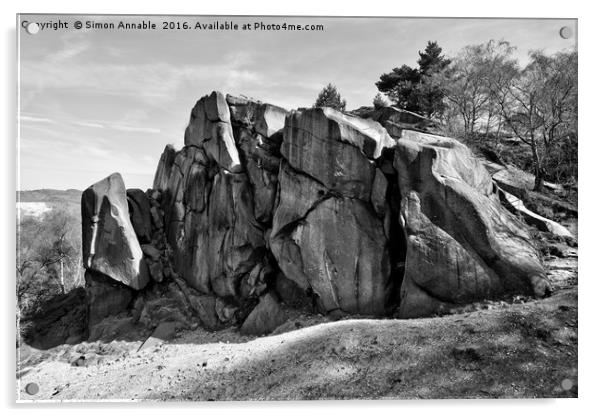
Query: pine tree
(409, 88)
(330, 97)
(379, 101)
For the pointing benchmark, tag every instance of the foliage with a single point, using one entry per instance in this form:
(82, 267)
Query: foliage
(410, 88)
(330, 97)
(379, 101)
(539, 106)
(488, 95)
(471, 84)
(48, 257)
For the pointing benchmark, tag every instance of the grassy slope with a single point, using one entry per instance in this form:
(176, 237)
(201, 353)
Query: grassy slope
(509, 351)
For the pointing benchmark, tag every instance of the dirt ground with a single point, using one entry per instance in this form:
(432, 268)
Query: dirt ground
(519, 349)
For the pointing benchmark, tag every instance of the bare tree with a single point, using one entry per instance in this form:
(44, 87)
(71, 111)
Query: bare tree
(48, 254)
(471, 84)
(540, 105)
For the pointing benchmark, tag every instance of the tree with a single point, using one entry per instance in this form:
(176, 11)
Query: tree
(470, 84)
(55, 249)
(409, 88)
(48, 257)
(330, 97)
(430, 95)
(400, 86)
(540, 106)
(379, 101)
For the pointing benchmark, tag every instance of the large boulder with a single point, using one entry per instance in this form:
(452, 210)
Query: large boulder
(326, 235)
(462, 245)
(109, 242)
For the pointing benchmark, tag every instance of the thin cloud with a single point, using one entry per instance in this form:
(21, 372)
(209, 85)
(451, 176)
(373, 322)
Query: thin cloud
(68, 52)
(35, 119)
(123, 128)
(90, 124)
(135, 129)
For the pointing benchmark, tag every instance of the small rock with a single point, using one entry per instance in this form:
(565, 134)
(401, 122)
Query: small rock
(265, 317)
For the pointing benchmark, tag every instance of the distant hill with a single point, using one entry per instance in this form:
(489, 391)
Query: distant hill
(50, 196)
(32, 202)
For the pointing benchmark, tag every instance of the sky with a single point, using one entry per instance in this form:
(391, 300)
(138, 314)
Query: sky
(93, 102)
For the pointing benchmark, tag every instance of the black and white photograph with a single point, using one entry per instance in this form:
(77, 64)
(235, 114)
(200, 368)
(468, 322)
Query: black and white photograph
(296, 207)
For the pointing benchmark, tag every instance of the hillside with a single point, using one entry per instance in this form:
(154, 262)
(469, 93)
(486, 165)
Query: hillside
(49, 199)
(48, 195)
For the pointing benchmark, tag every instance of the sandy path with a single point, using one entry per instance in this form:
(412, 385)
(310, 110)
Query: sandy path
(518, 350)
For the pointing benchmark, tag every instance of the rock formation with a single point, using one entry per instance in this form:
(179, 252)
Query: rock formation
(265, 209)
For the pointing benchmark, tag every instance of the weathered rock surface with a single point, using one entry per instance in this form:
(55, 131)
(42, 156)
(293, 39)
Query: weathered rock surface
(210, 129)
(290, 293)
(326, 235)
(336, 150)
(110, 245)
(461, 244)
(105, 297)
(213, 213)
(164, 168)
(516, 205)
(265, 317)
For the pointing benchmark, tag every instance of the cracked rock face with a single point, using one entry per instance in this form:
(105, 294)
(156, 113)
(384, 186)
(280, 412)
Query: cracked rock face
(357, 215)
(215, 205)
(327, 236)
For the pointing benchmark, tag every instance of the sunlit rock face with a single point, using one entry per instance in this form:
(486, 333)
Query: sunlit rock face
(368, 215)
(110, 245)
